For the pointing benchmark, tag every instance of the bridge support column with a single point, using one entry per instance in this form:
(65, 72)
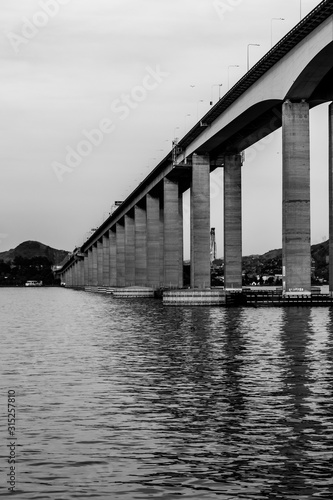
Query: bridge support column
(94, 265)
(154, 233)
(81, 273)
(161, 240)
(106, 260)
(200, 222)
(120, 242)
(113, 257)
(77, 273)
(86, 269)
(173, 234)
(140, 219)
(296, 244)
(129, 251)
(100, 262)
(70, 277)
(233, 222)
(74, 266)
(90, 266)
(330, 187)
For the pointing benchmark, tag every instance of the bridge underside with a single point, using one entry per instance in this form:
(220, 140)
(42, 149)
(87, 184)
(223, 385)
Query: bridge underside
(142, 243)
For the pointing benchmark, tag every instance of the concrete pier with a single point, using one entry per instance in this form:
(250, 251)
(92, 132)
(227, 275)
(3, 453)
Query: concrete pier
(94, 265)
(154, 248)
(113, 257)
(140, 222)
(106, 260)
(173, 234)
(296, 245)
(90, 266)
(120, 264)
(100, 262)
(233, 222)
(129, 250)
(200, 222)
(81, 273)
(86, 269)
(76, 274)
(330, 197)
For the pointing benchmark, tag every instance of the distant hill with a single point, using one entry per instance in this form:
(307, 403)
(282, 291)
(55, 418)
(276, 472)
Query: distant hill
(272, 254)
(318, 252)
(271, 262)
(31, 249)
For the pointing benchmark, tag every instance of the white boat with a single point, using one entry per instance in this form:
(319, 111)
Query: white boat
(34, 283)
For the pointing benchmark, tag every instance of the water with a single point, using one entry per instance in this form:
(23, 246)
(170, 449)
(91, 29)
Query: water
(127, 399)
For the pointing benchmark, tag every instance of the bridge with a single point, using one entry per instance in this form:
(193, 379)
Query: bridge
(141, 242)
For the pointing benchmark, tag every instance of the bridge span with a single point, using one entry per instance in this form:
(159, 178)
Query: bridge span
(141, 243)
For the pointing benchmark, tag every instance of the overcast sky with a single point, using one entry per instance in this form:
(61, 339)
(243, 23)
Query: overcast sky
(67, 67)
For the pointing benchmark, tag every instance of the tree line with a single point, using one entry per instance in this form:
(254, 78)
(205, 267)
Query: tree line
(20, 270)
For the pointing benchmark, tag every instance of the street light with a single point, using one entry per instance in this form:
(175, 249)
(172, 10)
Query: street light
(185, 122)
(200, 100)
(274, 19)
(248, 53)
(231, 66)
(219, 85)
(300, 10)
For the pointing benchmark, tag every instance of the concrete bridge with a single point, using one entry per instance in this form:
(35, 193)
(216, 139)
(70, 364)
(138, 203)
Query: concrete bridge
(141, 243)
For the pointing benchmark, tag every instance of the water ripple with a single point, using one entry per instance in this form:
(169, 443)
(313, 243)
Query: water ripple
(130, 400)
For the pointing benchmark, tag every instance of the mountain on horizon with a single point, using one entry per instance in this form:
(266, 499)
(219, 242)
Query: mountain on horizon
(31, 249)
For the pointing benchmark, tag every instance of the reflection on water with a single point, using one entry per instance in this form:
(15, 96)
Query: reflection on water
(131, 400)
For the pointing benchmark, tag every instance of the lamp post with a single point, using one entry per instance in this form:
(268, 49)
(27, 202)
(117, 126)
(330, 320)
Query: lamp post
(300, 10)
(200, 100)
(219, 85)
(248, 53)
(231, 66)
(274, 19)
(185, 122)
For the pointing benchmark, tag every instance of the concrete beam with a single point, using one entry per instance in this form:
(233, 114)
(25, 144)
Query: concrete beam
(200, 222)
(296, 244)
(233, 222)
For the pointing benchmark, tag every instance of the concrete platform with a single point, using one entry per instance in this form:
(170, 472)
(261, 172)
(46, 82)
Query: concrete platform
(194, 297)
(91, 288)
(105, 289)
(134, 292)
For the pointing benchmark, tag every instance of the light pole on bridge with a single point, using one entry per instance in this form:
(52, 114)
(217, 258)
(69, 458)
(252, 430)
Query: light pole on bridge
(219, 85)
(231, 66)
(274, 19)
(248, 53)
